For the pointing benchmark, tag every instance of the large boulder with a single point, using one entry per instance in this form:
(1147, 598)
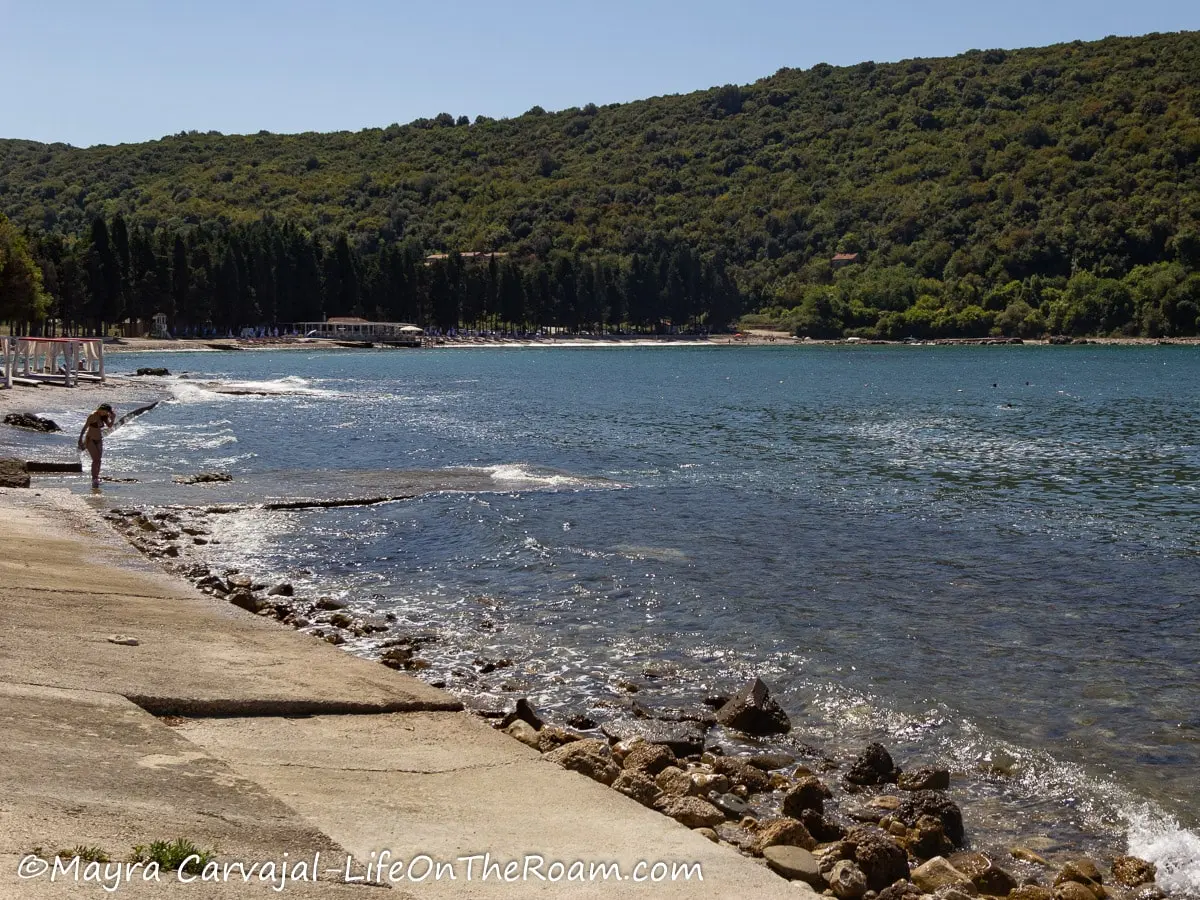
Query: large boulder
(13, 473)
(591, 758)
(873, 766)
(32, 422)
(754, 712)
(881, 859)
(932, 803)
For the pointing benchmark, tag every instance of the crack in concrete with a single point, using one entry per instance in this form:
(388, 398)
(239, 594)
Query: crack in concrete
(393, 771)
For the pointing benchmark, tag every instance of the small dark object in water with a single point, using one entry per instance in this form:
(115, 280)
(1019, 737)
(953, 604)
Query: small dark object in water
(146, 370)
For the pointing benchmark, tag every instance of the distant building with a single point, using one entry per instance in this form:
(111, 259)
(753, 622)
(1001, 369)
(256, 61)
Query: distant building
(844, 259)
(352, 328)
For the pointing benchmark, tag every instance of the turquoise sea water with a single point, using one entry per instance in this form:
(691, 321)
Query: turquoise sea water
(984, 557)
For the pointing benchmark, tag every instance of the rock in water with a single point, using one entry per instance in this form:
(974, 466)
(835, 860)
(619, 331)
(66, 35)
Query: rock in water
(939, 806)
(32, 422)
(153, 371)
(753, 711)
(740, 771)
(924, 779)
(682, 738)
(1132, 871)
(874, 766)
(807, 794)
(984, 874)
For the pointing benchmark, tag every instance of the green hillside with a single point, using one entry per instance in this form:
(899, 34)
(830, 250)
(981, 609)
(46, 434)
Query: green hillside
(1016, 192)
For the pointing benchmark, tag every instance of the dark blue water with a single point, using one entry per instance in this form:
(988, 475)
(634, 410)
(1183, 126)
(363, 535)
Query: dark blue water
(986, 557)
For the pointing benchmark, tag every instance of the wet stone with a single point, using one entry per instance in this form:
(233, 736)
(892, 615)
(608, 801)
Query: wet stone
(794, 863)
(753, 711)
(925, 779)
(730, 804)
(683, 738)
(770, 762)
(873, 766)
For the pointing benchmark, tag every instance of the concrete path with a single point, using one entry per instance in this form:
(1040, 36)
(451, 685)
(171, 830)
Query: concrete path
(85, 763)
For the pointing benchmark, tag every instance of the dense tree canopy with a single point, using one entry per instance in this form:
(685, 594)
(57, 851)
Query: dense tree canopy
(21, 294)
(1014, 192)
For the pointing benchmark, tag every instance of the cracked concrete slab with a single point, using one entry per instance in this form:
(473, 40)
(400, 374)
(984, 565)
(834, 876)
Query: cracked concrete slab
(62, 594)
(94, 770)
(450, 786)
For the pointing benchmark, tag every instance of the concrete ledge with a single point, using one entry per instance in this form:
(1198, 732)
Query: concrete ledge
(93, 769)
(449, 786)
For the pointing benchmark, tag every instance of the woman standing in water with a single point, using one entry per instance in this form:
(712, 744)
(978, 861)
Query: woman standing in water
(91, 437)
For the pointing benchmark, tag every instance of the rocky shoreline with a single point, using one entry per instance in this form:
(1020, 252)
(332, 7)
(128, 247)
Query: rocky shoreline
(858, 831)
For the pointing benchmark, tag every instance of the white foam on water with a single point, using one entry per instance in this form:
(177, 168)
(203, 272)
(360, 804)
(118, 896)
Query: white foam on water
(515, 474)
(210, 391)
(1174, 850)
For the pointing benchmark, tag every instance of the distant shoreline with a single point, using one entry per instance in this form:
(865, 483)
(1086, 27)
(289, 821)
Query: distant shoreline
(751, 338)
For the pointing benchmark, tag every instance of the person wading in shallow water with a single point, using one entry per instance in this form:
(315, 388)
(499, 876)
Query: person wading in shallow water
(91, 437)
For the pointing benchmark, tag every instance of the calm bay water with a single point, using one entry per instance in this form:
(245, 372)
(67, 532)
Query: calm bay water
(986, 558)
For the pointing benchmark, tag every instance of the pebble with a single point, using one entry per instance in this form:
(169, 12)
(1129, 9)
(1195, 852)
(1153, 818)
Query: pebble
(123, 640)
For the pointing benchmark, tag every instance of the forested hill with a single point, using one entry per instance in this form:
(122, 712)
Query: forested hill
(1054, 188)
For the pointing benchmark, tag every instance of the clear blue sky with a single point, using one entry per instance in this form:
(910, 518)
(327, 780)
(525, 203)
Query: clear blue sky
(116, 71)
